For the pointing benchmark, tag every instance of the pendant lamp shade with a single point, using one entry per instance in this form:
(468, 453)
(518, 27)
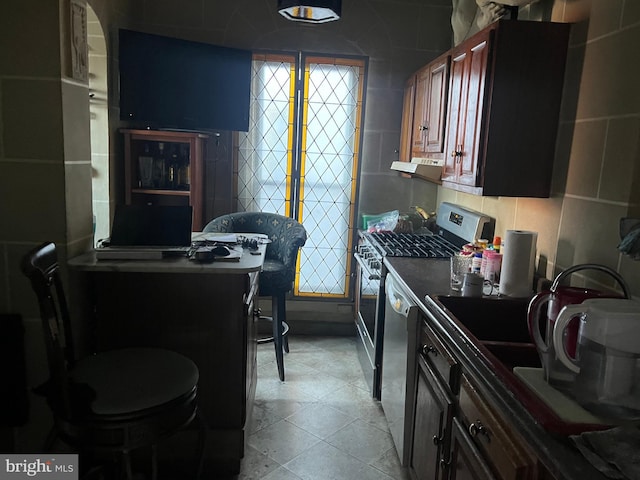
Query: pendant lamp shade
(310, 11)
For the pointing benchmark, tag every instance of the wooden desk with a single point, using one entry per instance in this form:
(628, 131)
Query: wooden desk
(205, 311)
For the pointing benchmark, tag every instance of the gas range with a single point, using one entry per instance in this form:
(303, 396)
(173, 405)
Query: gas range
(456, 226)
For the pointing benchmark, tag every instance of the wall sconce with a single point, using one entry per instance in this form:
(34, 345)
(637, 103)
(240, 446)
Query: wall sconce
(310, 11)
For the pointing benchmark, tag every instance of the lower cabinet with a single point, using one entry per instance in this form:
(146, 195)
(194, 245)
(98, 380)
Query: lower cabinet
(457, 431)
(437, 374)
(434, 412)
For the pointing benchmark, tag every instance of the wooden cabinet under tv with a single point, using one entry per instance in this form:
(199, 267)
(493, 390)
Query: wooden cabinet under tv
(165, 168)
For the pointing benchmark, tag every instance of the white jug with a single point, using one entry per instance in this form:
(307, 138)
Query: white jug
(607, 363)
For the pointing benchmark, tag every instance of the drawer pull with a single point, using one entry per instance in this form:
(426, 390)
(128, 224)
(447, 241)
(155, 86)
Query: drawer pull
(437, 440)
(427, 349)
(476, 428)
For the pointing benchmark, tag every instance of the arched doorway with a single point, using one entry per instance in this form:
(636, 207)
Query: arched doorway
(99, 114)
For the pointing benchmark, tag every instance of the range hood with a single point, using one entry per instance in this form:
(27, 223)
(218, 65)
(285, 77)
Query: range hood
(425, 168)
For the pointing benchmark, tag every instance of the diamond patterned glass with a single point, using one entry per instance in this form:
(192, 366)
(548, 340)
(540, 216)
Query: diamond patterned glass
(318, 171)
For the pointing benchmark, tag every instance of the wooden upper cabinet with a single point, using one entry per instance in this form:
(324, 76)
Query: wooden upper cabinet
(468, 78)
(431, 85)
(407, 120)
(503, 109)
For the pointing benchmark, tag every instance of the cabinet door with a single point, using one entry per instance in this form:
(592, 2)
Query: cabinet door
(474, 109)
(438, 87)
(456, 111)
(420, 111)
(465, 111)
(406, 129)
(466, 461)
(433, 414)
(431, 85)
(252, 314)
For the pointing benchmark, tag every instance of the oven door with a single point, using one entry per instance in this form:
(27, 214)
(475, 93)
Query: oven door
(367, 298)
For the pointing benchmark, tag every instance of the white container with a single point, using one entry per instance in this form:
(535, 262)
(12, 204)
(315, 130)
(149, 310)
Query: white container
(493, 266)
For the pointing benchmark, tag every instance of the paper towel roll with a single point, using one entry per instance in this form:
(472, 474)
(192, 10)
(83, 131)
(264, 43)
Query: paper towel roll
(518, 263)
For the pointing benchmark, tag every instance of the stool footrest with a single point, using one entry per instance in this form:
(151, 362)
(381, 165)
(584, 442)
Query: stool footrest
(285, 330)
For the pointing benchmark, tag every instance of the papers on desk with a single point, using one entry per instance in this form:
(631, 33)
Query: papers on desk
(233, 238)
(214, 237)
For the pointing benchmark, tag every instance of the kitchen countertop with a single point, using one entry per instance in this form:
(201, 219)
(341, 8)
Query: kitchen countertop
(247, 263)
(423, 278)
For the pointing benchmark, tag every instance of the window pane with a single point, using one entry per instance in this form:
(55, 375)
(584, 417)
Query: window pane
(328, 169)
(263, 150)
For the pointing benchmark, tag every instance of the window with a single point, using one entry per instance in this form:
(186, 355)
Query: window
(300, 158)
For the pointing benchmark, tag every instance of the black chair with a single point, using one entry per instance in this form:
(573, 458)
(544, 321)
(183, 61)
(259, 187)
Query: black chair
(109, 404)
(286, 237)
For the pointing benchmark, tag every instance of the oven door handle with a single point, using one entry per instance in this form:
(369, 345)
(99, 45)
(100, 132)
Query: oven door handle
(397, 301)
(363, 264)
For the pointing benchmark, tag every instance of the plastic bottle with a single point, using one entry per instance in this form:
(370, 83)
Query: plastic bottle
(494, 264)
(483, 265)
(476, 263)
(497, 244)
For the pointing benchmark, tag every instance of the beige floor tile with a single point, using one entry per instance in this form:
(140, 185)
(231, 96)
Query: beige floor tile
(326, 462)
(282, 441)
(362, 440)
(320, 420)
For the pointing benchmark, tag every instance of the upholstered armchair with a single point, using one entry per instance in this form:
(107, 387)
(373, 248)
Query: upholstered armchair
(287, 236)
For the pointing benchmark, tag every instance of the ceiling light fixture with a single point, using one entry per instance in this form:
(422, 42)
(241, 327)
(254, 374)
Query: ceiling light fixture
(310, 11)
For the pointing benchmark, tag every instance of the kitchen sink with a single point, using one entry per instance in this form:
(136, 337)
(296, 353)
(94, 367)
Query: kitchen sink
(499, 324)
(498, 328)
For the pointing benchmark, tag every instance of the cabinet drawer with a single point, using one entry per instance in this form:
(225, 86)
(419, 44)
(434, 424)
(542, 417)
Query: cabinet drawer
(503, 450)
(466, 460)
(439, 357)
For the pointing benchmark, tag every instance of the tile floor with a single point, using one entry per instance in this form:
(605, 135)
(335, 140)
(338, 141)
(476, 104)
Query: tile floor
(321, 423)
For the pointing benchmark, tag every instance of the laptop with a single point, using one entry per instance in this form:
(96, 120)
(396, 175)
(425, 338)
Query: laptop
(142, 232)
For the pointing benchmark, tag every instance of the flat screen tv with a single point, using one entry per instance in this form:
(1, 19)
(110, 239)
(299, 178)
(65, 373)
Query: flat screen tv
(178, 84)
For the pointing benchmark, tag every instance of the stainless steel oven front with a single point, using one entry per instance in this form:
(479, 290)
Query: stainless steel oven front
(369, 303)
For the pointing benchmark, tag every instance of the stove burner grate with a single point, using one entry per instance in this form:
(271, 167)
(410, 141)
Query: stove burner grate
(412, 245)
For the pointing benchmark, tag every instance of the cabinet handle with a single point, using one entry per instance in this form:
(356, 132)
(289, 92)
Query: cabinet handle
(427, 349)
(437, 440)
(445, 463)
(423, 127)
(476, 428)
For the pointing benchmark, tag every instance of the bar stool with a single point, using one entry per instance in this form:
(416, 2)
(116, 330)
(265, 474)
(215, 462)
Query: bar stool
(286, 237)
(112, 402)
